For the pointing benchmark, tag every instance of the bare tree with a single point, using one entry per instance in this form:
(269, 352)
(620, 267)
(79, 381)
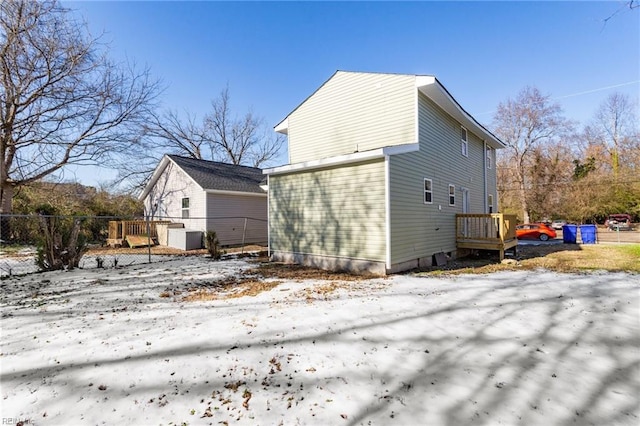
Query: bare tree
(244, 140)
(220, 136)
(525, 124)
(62, 101)
(180, 136)
(612, 139)
(614, 128)
(163, 133)
(548, 171)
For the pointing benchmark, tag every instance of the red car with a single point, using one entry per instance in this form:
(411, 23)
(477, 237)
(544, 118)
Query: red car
(535, 231)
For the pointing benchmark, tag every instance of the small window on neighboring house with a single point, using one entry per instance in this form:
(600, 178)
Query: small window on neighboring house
(489, 157)
(185, 208)
(452, 195)
(490, 203)
(465, 144)
(428, 191)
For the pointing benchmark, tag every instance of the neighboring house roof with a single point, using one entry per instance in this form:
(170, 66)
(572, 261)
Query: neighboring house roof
(212, 175)
(434, 90)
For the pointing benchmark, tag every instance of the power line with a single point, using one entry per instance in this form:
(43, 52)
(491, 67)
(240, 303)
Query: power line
(571, 184)
(597, 90)
(585, 92)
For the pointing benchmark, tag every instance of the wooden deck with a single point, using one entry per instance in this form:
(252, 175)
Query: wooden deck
(120, 229)
(494, 231)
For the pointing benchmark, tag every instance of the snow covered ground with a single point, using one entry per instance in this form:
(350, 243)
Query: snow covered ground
(109, 347)
(25, 263)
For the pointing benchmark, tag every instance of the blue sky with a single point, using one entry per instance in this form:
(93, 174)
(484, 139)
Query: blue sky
(274, 54)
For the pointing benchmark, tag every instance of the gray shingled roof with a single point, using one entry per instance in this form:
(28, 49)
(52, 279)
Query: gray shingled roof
(221, 176)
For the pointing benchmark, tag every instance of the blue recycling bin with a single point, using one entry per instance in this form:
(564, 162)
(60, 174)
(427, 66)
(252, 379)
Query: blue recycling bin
(569, 234)
(588, 234)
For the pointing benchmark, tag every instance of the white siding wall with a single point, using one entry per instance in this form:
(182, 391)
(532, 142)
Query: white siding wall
(337, 212)
(226, 215)
(418, 229)
(164, 201)
(353, 111)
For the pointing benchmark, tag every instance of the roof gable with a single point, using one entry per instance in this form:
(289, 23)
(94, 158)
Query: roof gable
(212, 175)
(431, 87)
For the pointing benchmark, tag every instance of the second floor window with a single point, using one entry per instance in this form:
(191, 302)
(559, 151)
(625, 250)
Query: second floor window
(185, 208)
(428, 191)
(489, 157)
(464, 142)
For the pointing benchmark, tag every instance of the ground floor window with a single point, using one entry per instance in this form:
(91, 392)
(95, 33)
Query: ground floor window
(185, 208)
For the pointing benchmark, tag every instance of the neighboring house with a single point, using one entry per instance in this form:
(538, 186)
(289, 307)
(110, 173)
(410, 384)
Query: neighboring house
(208, 195)
(379, 165)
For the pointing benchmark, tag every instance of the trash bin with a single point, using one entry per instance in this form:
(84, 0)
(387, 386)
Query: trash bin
(569, 234)
(588, 234)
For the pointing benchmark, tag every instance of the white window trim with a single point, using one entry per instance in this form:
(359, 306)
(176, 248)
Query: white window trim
(183, 209)
(490, 203)
(424, 193)
(452, 195)
(464, 146)
(489, 158)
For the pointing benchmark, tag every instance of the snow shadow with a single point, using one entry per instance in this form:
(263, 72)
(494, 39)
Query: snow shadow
(512, 347)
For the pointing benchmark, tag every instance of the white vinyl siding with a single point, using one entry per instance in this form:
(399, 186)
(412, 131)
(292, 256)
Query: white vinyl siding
(418, 229)
(234, 216)
(175, 194)
(353, 112)
(337, 211)
(165, 199)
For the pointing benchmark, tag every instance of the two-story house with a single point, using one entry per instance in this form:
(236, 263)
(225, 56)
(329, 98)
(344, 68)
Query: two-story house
(379, 166)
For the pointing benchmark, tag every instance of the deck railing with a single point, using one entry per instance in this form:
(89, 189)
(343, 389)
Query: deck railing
(118, 230)
(492, 231)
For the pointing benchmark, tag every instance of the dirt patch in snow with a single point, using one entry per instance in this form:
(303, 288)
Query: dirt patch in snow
(300, 273)
(267, 275)
(228, 289)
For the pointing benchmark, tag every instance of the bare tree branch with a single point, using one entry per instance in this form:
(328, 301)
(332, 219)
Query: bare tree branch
(220, 136)
(62, 100)
(614, 127)
(524, 124)
(629, 4)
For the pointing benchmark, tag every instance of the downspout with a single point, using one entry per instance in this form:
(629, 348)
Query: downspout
(268, 218)
(387, 208)
(206, 212)
(484, 174)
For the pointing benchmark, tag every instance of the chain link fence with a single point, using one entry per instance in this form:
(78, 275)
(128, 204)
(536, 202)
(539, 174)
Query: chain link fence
(109, 241)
